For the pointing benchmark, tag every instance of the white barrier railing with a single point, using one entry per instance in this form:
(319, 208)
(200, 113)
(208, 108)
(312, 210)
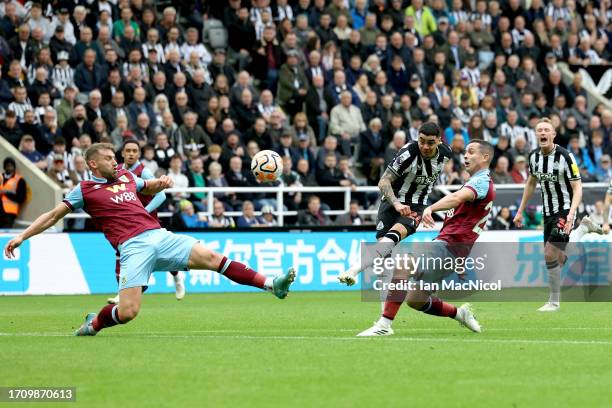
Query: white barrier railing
(281, 190)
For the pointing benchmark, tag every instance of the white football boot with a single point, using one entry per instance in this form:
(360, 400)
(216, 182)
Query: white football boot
(591, 225)
(550, 307)
(466, 318)
(379, 329)
(179, 285)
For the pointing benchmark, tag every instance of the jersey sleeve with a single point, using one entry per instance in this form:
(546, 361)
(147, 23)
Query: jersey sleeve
(74, 199)
(479, 186)
(401, 161)
(140, 183)
(147, 174)
(572, 167)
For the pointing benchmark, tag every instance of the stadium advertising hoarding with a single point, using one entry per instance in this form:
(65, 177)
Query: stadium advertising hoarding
(84, 263)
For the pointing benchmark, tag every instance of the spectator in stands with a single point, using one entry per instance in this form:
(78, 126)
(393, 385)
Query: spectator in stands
(503, 221)
(180, 180)
(293, 85)
(88, 75)
(352, 217)
(286, 149)
(313, 215)
(237, 176)
(346, 122)
(59, 173)
(163, 151)
(519, 171)
(581, 155)
(13, 193)
(59, 148)
(267, 216)
(372, 151)
(197, 178)
(248, 218)
(27, 147)
(190, 218)
(80, 169)
(398, 141)
(218, 218)
(77, 125)
(143, 131)
(9, 128)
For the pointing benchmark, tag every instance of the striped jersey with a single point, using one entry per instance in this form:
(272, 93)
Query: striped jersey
(416, 175)
(554, 171)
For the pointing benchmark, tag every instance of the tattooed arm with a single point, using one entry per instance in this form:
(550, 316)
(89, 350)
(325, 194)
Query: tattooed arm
(386, 188)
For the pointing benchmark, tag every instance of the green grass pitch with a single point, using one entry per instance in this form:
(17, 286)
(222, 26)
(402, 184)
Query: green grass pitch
(254, 350)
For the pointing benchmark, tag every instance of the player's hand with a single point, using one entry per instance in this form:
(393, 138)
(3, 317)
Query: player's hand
(518, 219)
(428, 220)
(11, 246)
(165, 182)
(404, 210)
(569, 223)
(606, 228)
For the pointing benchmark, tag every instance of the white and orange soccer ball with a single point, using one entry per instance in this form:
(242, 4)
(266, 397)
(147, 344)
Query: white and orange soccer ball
(266, 166)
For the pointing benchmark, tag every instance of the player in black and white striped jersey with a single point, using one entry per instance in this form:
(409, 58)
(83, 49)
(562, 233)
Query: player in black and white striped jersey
(557, 172)
(405, 187)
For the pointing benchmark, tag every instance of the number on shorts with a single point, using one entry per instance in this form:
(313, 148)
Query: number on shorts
(481, 224)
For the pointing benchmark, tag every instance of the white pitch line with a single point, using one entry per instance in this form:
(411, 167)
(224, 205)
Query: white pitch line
(480, 339)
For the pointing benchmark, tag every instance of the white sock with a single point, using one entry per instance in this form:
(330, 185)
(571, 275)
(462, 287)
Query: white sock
(554, 283)
(269, 284)
(381, 251)
(577, 234)
(384, 322)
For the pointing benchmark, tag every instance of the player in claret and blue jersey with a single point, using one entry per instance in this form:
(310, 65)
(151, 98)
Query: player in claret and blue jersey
(111, 200)
(468, 209)
(131, 161)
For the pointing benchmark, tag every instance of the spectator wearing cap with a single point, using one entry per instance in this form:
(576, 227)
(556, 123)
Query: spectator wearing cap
(62, 19)
(9, 128)
(13, 193)
(519, 171)
(62, 75)
(267, 216)
(58, 172)
(189, 217)
(27, 147)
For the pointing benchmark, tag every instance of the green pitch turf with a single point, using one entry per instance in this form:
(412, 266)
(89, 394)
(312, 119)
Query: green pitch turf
(254, 350)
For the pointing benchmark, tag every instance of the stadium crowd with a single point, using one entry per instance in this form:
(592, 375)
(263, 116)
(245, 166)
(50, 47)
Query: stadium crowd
(335, 87)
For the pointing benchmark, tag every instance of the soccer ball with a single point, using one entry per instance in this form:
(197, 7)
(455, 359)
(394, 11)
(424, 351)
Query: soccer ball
(266, 166)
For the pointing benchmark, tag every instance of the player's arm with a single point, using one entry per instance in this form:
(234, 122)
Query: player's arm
(154, 186)
(530, 187)
(41, 224)
(576, 199)
(453, 200)
(159, 197)
(386, 189)
(606, 213)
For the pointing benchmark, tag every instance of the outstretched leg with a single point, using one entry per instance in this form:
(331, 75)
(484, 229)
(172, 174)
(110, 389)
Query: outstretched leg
(203, 258)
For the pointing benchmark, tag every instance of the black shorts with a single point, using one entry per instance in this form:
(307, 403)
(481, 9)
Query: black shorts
(387, 217)
(550, 223)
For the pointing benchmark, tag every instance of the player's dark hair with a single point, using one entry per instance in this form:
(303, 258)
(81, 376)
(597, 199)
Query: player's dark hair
(485, 147)
(128, 141)
(430, 129)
